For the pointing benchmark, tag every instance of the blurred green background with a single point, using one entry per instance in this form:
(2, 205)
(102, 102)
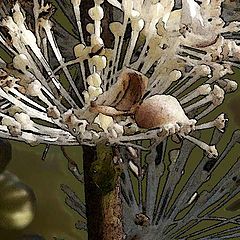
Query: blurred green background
(53, 218)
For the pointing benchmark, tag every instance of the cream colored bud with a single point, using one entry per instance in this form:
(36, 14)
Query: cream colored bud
(99, 61)
(212, 152)
(135, 14)
(94, 80)
(94, 92)
(137, 24)
(34, 88)
(96, 13)
(203, 70)
(228, 85)
(24, 120)
(118, 128)
(53, 112)
(220, 122)
(81, 51)
(104, 121)
(217, 95)
(175, 75)
(90, 28)
(14, 127)
(20, 62)
(17, 15)
(76, 2)
(204, 89)
(98, 2)
(95, 40)
(86, 97)
(116, 28)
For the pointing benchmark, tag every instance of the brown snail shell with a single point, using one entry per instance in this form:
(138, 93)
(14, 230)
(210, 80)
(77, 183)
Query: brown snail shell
(159, 110)
(17, 203)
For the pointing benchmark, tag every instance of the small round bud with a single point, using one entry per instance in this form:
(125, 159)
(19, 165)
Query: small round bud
(95, 40)
(228, 85)
(20, 62)
(53, 112)
(99, 61)
(17, 15)
(116, 28)
(90, 28)
(76, 3)
(98, 2)
(94, 80)
(217, 95)
(24, 120)
(34, 88)
(96, 13)
(160, 110)
(204, 89)
(81, 51)
(137, 24)
(104, 121)
(94, 92)
(175, 75)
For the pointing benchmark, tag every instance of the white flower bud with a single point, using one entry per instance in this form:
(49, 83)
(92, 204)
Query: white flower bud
(175, 75)
(94, 92)
(228, 85)
(212, 152)
(118, 128)
(95, 40)
(96, 13)
(34, 88)
(98, 2)
(99, 61)
(76, 3)
(116, 28)
(20, 62)
(203, 70)
(137, 24)
(220, 122)
(86, 97)
(104, 121)
(135, 14)
(94, 80)
(24, 120)
(217, 95)
(204, 89)
(14, 127)
(90, 28)
(81, 51)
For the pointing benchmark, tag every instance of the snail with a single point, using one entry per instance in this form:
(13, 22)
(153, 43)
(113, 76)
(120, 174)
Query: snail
(125, 98)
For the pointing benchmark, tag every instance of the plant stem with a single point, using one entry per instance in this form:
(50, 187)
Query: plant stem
(104, 209)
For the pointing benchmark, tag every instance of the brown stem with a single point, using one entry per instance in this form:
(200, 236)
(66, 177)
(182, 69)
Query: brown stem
(104, 211)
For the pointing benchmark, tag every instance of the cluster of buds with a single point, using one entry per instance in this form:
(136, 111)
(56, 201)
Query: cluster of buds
(134, 88)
